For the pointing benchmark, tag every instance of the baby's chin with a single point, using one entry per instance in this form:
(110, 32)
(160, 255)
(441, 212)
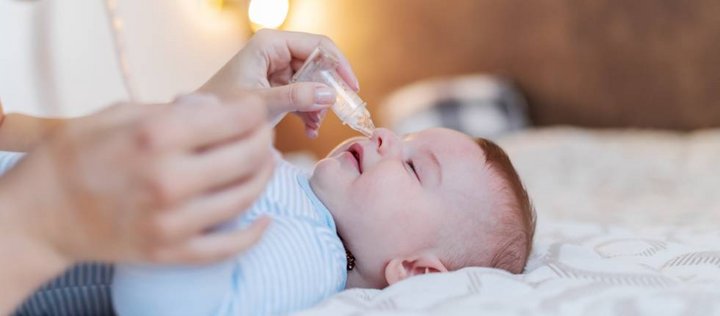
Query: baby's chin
(325, 183)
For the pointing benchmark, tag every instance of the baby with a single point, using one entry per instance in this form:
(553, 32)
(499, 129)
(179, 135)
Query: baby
(374, 212)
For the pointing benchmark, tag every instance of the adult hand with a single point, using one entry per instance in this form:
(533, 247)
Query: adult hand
(269, 60)
(134, 184)
(145, 183)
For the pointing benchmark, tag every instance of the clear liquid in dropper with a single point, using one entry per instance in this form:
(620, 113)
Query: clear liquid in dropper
(349, 107)
(361, 122)
(351, 110)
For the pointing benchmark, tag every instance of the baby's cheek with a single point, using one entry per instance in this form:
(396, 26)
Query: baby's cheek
(386, 179)
(372, 204)
(327, 174)
(384, 193)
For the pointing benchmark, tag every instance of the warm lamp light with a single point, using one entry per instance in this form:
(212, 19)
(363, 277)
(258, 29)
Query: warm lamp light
(268, 13)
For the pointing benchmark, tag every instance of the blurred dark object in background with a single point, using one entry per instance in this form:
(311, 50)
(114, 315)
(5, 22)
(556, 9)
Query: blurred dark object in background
(477, 105)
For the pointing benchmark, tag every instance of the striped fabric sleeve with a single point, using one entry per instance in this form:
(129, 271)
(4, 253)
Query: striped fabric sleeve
(82, 290)
(157, 290)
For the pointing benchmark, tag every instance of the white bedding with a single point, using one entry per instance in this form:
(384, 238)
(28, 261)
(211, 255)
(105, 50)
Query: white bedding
(629, 224)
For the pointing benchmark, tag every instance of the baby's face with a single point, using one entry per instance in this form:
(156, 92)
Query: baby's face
(392, 196)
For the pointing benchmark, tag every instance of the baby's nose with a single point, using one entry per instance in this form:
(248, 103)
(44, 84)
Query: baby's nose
(385, 140)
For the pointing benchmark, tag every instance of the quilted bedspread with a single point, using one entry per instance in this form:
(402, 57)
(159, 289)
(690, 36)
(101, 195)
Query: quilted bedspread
(628, 224)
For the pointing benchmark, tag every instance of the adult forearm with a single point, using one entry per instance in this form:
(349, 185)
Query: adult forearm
(19, 132)
(25, 262)
(24, 266)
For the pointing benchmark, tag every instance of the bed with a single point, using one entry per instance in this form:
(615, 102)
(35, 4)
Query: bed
(628, 224)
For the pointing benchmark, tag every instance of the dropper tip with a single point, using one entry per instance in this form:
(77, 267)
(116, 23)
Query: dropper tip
(365, 129)
(361, 121)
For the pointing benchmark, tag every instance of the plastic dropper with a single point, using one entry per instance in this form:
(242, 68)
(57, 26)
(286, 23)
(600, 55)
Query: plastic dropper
(321, 67)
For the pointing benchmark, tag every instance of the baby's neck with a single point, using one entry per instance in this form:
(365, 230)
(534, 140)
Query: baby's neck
(355, 280)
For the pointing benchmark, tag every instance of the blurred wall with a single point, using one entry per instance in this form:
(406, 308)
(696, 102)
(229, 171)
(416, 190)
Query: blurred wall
(598, 63)
(58, 57)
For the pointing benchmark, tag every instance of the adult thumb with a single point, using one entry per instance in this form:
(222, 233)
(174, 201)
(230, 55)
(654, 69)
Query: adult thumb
(298, 97)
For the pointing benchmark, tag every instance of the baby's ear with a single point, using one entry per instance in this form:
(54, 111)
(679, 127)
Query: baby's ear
(399, 269)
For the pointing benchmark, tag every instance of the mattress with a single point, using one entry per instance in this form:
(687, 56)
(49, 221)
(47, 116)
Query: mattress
(628, 224)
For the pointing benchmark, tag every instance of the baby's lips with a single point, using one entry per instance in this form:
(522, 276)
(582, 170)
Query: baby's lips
(357, 151)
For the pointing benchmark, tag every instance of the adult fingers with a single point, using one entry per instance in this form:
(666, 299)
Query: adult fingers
(201, 123)
(213, 247)
(208, 211)
(312, 132)
(301, 45)
(120, 114)
(188, 175)
(312, 121)
(232, 161)
(300, 97)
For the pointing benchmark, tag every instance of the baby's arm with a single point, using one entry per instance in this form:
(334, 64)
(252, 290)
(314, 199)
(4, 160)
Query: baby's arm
(19, 132)
(171, 290)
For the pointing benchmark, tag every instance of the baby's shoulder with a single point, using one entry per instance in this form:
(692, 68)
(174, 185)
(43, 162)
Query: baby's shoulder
(295, 229)
(286, 197)
(294, 256)
(308, 236)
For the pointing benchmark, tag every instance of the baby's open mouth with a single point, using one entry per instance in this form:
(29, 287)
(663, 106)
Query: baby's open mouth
(356, 150)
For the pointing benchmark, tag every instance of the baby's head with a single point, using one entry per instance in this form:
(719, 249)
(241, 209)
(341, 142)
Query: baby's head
(431, 201)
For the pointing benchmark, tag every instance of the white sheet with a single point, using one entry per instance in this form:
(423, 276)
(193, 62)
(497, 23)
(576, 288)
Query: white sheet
(629, 224)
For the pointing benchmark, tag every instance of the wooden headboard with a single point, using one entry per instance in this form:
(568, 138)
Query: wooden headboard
(595, 63)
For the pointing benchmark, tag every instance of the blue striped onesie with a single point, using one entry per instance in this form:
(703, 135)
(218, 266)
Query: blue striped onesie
(299, 261)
